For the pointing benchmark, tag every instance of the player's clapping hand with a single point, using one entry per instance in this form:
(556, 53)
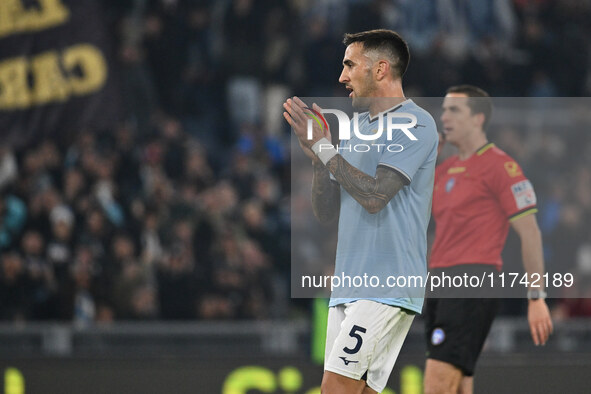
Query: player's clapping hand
(540, 323)
(296, 115)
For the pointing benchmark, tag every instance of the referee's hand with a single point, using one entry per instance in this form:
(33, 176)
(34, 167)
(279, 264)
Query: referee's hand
(540, 323)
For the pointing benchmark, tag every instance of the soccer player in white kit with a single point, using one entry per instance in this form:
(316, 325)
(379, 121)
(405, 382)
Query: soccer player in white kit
(382, 198)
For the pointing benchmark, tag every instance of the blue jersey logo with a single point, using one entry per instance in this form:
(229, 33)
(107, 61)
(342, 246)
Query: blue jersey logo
(450, 184)
(438, 336)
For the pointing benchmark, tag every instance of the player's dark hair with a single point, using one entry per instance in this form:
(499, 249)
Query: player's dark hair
(385, 41)
(482, 103)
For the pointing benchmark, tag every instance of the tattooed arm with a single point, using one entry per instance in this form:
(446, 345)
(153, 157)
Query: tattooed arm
(326, 194)
(372, 193)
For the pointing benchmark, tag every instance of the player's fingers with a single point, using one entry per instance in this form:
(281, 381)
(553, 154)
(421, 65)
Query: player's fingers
(293, 113)
(534, 334)
(299, 102)
(547, 329)
(288, 106)
(326, 130)
(288, 119)
(543, 328)
(543, 333)
(294, 110)
(300, 107)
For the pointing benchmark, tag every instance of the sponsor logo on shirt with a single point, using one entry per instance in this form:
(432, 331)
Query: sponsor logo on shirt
(456, 170)
(524, 194)
(512, 169)
(450, 184)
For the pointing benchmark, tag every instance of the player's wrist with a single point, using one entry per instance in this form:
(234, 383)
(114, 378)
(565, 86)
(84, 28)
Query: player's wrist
(536, 294)
(324, 150)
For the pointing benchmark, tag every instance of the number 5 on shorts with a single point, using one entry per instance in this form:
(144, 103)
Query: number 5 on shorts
(353, 334)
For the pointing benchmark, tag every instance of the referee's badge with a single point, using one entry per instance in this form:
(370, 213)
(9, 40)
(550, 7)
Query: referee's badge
(450, 184)
(438, 336)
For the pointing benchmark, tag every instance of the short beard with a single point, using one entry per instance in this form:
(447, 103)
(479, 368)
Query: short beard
(364, 102)
(361, 103)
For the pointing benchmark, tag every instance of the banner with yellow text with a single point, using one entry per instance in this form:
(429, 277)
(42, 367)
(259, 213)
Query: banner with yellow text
(55, 70)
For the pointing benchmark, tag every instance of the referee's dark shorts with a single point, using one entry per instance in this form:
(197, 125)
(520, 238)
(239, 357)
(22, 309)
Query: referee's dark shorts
(456, 327)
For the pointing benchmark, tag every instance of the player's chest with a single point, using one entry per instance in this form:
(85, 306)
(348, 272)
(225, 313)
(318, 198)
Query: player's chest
(362, 154)
(458, 188)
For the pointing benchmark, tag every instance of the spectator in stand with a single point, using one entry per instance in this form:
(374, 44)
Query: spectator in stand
(60, 245)
(177, 285)
(13, 213)
(41, 282)
(13, 288)
(8, 167)
(127, 273)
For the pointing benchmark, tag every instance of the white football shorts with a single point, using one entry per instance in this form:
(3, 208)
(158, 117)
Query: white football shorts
(364, 338)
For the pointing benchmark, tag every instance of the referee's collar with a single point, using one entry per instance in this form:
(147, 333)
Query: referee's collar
(484, 148)
(391, 109)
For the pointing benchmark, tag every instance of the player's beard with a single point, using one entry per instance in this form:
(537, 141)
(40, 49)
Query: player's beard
(363, 95)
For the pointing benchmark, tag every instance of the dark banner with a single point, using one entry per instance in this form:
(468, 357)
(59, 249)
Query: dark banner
(55, 69)
(510, 373)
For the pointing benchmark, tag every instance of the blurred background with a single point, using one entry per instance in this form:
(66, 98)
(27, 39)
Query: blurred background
(145, 184)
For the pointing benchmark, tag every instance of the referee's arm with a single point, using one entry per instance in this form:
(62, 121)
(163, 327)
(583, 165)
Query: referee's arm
(538, 315)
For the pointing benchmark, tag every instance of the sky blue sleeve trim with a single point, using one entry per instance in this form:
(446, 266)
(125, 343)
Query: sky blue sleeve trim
(398, 170)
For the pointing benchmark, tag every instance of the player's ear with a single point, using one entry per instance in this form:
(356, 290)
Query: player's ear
(382, 69)
(479, 119)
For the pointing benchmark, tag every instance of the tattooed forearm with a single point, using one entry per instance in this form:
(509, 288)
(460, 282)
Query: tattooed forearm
(326, 197)
(372, 193)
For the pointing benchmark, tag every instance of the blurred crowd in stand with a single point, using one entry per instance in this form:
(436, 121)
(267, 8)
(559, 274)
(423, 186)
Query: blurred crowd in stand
(117, 226)
(183, 210)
